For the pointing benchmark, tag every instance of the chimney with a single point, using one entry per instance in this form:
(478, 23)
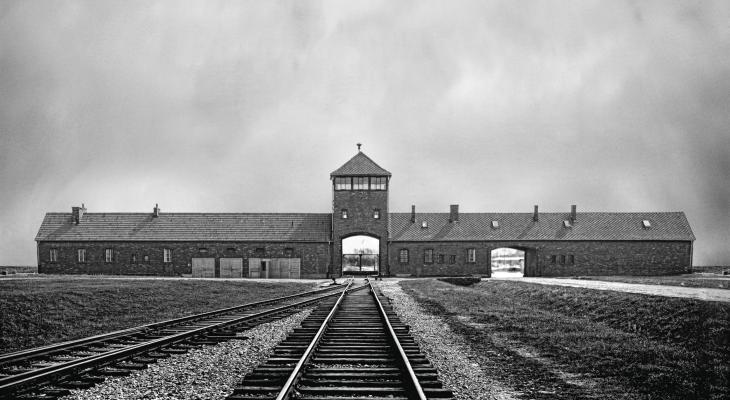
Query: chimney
(78, 213)
(156, 211)
(454, 215)
(534, 214)
(573, 213)
(413, 213)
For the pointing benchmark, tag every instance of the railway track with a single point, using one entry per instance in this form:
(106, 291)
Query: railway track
(351, 348)
(51, 371)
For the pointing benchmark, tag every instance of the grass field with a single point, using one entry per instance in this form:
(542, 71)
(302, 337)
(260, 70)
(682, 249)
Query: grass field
(712, 281)
(562, 342)
(39, 311)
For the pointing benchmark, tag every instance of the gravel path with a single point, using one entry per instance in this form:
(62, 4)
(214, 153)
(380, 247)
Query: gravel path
(654, 290)
(208, 372)
(447, 351)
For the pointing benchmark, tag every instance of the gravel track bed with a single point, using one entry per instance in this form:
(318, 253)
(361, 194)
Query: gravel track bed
(447, 351)
(208, 372)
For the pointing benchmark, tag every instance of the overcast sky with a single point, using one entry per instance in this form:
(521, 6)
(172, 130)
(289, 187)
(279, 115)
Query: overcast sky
(243, 106)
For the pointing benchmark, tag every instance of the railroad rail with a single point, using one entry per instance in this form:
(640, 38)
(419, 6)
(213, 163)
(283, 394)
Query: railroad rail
(351, 348)
(50, 371)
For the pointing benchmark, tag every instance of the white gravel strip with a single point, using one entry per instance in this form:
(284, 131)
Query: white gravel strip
(706, 294)
(207, 372)
(447, 351)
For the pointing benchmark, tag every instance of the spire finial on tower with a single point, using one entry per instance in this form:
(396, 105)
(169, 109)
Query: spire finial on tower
(358, 146)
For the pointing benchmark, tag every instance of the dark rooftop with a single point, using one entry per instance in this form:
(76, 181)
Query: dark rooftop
(360, 165)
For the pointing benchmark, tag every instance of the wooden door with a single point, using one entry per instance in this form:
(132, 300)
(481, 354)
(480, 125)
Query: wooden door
(254, 267)
(203, 267)
(231, 267)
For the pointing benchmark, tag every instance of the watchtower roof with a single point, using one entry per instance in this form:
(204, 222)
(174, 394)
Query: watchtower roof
(360, 165)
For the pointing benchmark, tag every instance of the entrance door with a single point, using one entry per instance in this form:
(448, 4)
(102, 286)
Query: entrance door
(203, 267)
(231, 267)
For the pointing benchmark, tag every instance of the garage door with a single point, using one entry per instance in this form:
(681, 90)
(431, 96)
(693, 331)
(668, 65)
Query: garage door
(231, 267)
(285, 268)
(203, 267)
(254, 267)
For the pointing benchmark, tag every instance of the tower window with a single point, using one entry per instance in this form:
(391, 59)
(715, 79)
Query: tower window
(378, 183)
(403, 256)
(166, 255)
(344, 213)
(109, 255)
(376, 213)
(360, 183)
(343, 183)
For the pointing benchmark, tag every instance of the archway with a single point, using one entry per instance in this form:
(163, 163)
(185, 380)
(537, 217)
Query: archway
(508, 262)
(360, 253)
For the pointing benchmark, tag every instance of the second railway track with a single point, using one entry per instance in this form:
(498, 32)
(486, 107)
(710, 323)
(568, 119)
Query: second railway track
(49, 372)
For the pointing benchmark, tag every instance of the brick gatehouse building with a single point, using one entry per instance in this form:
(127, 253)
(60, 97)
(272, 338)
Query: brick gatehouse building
(361, 235)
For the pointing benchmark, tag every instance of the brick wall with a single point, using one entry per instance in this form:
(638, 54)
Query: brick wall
(590, 258)
(360, 205)
(315, 256)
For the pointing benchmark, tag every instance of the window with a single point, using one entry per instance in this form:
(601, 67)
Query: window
(343, 183)
(166, 255)
(571, 259)
(428, 256)
(146, 258)
(134, 258)
(452, 259)
(82, 255)
(360, 183)
(567, 224)
(424, 225)
(646, 223)
(441, 258)
(203, 250)
(53, 255)
(378, 183)
(495, 224)
(553, 259)
(288, 252)
(376, 213)
(471, 255)
(562, 259)
(109, 255)
(344, 213)
(403, 256)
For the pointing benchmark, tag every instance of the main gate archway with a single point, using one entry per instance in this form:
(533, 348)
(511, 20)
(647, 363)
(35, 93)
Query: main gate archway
(360, 253)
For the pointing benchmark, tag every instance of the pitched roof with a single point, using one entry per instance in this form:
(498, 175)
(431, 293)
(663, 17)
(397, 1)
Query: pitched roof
(360, 165)
(186, 227)
(520, 226)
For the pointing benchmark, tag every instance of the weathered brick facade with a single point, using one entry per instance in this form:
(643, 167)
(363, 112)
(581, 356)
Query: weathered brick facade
(314, 256)
(555, 244)
(589, 258)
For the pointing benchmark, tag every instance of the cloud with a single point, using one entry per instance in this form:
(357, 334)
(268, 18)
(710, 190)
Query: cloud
(235, 106)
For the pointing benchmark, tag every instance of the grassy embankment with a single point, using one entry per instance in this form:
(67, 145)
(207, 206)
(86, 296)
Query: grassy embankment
(689, 280)
(536, 338)
(37, 312)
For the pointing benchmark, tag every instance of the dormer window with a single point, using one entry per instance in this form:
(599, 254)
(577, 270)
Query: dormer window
(646, 224)
(344, 213)
(567, 224)
(495, 224)
(424, 225)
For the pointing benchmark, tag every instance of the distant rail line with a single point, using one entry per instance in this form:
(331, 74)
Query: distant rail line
(50, 372)
(353, 347)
